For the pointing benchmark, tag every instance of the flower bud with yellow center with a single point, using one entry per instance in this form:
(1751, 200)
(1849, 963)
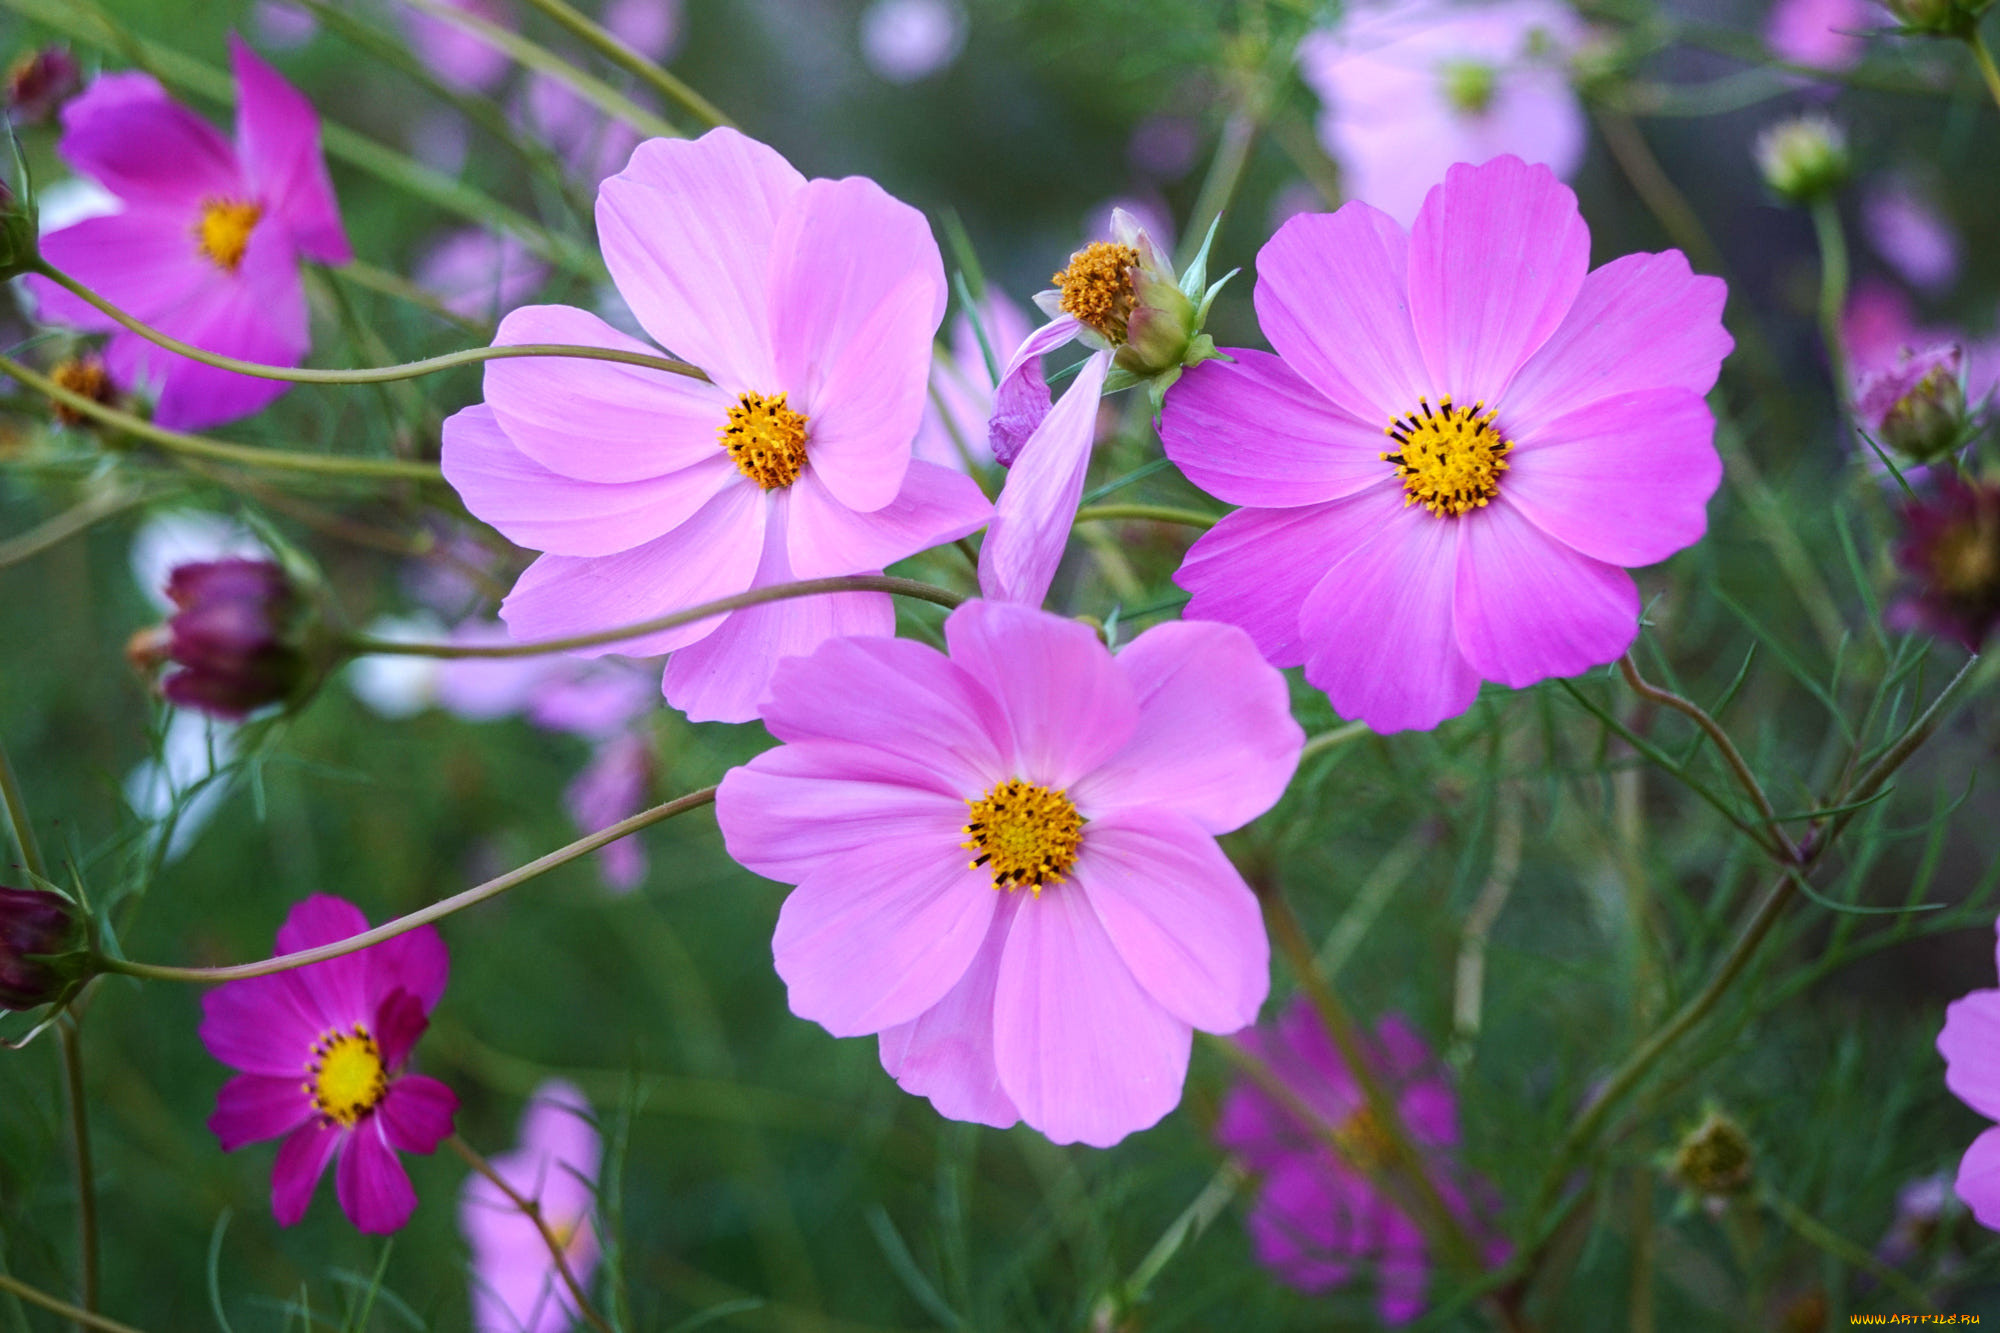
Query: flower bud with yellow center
(1449, 458)
(766, 439)
(1097, 288)
(1714, 1158)
(1023, 833)
(223, 232)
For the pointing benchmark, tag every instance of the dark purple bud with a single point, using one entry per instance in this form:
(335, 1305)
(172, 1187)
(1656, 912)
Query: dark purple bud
(39, 83)
(235, 638)
(41, 947)
(1951, 552)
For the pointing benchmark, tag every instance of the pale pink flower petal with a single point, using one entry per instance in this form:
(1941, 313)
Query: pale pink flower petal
(516, 1287)
(850, 796)
(1529, 607)
(936, 505)
(1970, 1045)
(1230, 572)
(1826, 34)
(945, 1054)
(1037, 507)
(1978, 1181)
(1021, 400)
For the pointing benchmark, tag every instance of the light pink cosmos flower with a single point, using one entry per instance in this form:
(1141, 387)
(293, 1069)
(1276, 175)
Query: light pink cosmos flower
(1824, 34)
(462, 59)
(1463, 439)
(515, 1285)
(811, 306)
(1318, 1218)
(953, 433)
(1880, 327)
(914, 786)
(323, 1049)
(1908, 231)
(478, 274)
(591, 144)
(208, 245)
(611, 787)
(1409, 89)
(1970, 1045)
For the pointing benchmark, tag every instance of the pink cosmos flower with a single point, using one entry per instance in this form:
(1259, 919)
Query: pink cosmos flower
(1463, 439)
(811, 306)
(1318, 1218)
(1909, 232)
(1880, 328)
(1824, 34)
(953, 433)
(1409, 89)
(613, 786)
(478, 274)
(913, 786)
(462, 59)
(592, 144)
(323, 1050)
(515, 1285)
(208, 245)
(1970, 1045)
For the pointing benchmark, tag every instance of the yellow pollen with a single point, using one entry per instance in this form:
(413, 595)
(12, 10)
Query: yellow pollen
(224, 230)
(1363, 1142)
(1024, 834)
(766, 439)
(1450, 458)
(345, 1077)
(1966, 559)
(1097, 288)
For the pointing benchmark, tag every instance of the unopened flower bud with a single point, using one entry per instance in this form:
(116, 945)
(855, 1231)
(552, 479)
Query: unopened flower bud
(1938, 18)
(1803, 159)
(238, 638)
(42, 947)
(20, 238)
(1917, 406)
(1951, 553)
(40, 82)
(1714, 1157)
(86, 377)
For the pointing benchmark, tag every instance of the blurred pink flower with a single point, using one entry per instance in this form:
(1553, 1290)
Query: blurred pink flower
(592, 144)
(1970, 1045)
(1949, 554)
(1825, 34)
(1435, 493)
(915, 785)
(283, 25)
(460, 58)
(516, 1287)
(1905, 230)
(1879, 325)
(1164, 147)
(811, 306)
(479, 274)
(1406, 90)
(349, 1023)
(614, 786)
(953, 433)
(904, 41)
(650, 27)
(1318, 1217)
(209, 241)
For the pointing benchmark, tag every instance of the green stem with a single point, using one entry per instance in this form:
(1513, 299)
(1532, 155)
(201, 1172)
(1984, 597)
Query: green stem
(1833, 293)
(1332, 740)
(776, 592)
(200, 446)
(1190, 518)
(618, 53)
(1225, 173)
(1713, 730)
(402, 289)
(534, 56)
(532, 1210)
(17, 819)
(1982, 55)
(369, 375)
(86, 1177)
(84, 1318)
(1815, 1232)
(79, 518)
(423, 916)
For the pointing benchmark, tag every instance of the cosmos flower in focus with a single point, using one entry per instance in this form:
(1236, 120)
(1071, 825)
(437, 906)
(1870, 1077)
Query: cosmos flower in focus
(810, 306)
(323, 1051)
(1465, 439)
(1406, 90)
(1006, 860)
(515, 1285)
(1970, 1045)
(208, 243)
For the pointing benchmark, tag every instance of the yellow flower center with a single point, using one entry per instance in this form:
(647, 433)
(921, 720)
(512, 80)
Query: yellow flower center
(1468, 85)
(1024, 834)
(86, 377)
(1097, 288)
(224, 230)
(1450, 458)
(766, 439)
(1363, 1142)
(345, 1077)
(1966, 559)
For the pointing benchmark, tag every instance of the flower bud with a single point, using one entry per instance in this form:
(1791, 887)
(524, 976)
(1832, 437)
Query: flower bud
(40, 82)
(1951, 553)
(238, 638)
(1917, 406)
(42, 948)
(1714, 1158)
(1938, 18)
(20, 234)
(1803, 159)
(86, 377)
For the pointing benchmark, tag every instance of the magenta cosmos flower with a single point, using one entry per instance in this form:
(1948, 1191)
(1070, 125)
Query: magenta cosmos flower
(1462, 440)
(1970, 1045)
(323, 1050)
(515, 1285)
(1318, 1218)
(1408, 89)
(1006, 861)
(811, 306)
(208, 244)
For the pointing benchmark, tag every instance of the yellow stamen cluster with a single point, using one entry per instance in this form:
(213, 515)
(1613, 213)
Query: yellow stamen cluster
(766, 439)
(1363, 1141)
(1097, 288)
(1450, 458)
(223, 233)
(1024, 834)
(345, 1077)
(86, 377)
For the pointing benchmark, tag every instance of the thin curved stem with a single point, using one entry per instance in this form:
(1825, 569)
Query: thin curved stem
(13, 1286)
(1731, 756)
(423, 916)
(398, 287)
(1331, 740)
(776, 592)
(532, 1210)
(1982, 55)
(618, 53)
(200, 446)
(1189, 518)
(71, 1043)
(367, 375)
(17, 818)
(1833, 273)
(78, 518)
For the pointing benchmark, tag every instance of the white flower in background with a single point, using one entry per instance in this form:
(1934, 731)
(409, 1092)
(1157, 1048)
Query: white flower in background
(193, 749)
(398, 687)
